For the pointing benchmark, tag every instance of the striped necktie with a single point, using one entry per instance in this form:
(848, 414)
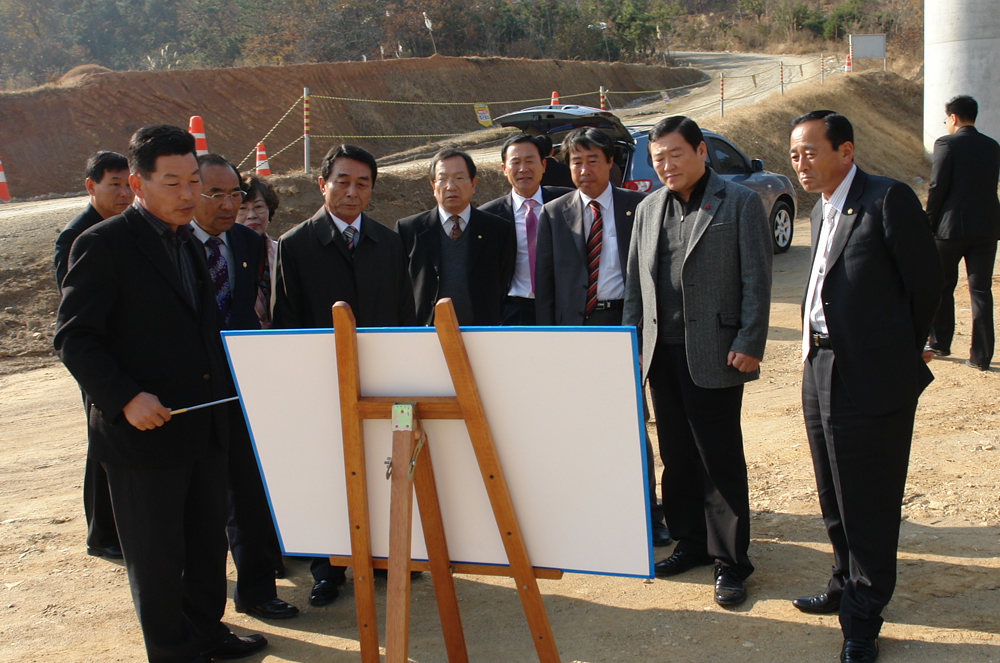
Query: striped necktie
(218, 270)
(593, 256)
(350, 236)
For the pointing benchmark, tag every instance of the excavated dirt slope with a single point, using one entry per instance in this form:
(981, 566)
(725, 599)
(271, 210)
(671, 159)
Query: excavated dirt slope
(47, 133)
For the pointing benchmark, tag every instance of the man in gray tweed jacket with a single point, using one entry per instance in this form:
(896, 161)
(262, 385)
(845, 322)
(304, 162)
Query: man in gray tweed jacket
(698, 288)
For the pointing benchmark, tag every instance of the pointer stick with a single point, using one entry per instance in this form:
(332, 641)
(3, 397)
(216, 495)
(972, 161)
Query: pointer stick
(198, 407)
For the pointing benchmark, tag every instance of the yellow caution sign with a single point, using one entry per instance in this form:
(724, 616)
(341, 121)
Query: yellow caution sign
(483, 115)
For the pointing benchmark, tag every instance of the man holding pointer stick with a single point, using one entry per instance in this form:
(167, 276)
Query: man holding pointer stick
(137, 328)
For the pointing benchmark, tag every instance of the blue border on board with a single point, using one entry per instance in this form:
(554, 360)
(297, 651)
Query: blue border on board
(369, 330)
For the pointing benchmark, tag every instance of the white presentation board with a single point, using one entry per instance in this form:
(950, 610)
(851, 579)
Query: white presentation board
(563, 405)
(867, 47)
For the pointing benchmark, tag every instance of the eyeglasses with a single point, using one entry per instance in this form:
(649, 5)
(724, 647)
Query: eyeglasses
(458, 180)
(260, 209)
(217, 198)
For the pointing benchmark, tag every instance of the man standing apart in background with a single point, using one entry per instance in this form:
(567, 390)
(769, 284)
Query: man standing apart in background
(965, 218)
(106, 181)
(874, 285)
(699, 289)
(523, 166)
(137, 329)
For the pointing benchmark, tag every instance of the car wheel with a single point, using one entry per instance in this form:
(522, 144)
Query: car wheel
(781, 226)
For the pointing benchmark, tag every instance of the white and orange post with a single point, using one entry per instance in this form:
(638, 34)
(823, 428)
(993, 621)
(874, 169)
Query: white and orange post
(263, 167)
(604, 99)
(305, 127)
(555, 98)
(197, 129)
(4, 191)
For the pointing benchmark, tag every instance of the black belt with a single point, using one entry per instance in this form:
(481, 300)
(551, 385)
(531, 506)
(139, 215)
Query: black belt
(818, 340)
(609, 304)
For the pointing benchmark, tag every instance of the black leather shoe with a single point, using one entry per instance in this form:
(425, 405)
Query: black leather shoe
(323, 592)
(273, 609)
(729, 589)
(111, 552)
(859, 650)
(679, 562)
(235, 646)
(937, 352)
(978, 367)
(661, 535)
(818, 604)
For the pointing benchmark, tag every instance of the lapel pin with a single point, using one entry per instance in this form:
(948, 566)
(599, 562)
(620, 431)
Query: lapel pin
(708, 207)
(850, 211)
(629, 213)
(479, 236)
(244, 265)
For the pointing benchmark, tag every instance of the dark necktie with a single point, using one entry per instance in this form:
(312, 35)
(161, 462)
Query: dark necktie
(593, 256)
(218, 270)
(531, 230)
(350, 236)
(456, 228)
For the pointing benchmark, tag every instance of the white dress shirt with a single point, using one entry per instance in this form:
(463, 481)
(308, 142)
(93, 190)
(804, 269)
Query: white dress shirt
(520, 285)
(342, 225)
(463, 219)
(610, 279)
(815, 318)
(227, 253)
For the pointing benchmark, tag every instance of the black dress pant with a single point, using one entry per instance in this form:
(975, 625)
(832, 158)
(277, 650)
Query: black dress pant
(252, 538)
(101, 530)
(705, 490)
(171, 523)
(980, 256)
(518, 311)
(860, 462)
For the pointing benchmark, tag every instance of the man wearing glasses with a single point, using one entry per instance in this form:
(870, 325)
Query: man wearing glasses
(456, 251)
(234, 253)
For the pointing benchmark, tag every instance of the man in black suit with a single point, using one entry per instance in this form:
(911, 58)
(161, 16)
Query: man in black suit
(874, 285)
(965, 219)
(556, 172)
(234, 253)
(137, 329)
(341, 254)
(523, 166)
(106, 181)
(456, 251)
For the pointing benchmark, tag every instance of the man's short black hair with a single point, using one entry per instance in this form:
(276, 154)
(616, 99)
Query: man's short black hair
(448, 153)
(218, 160)
(544, 142)
(254, 185)
(588, 138)
(352, 152)
(154, 141)
(104, 162)
(517, 139)
(685, 126)
(964, 106)
(838, 127)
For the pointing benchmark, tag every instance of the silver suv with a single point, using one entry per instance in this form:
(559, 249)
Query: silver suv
(635, 170)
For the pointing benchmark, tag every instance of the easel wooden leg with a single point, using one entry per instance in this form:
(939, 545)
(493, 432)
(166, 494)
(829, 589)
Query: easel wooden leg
(446, 324)
(349, 381)
(439, 559)
(397, 608)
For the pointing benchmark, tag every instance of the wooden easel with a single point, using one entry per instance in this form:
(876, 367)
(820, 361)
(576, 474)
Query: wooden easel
(411, 469)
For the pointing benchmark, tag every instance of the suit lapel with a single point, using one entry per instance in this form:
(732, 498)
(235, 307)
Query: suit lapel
(710, 201)
(623, 224)
(574, 219)
(850, 213)
(149, 244)
(476, 239)
(430, 238)
(652, 231)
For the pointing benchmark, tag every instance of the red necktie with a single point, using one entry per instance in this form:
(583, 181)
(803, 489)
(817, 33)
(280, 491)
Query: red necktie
(456, 229)
(593, 256)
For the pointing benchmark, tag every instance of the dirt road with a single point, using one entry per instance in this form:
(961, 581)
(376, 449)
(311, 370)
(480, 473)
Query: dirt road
(61, 605)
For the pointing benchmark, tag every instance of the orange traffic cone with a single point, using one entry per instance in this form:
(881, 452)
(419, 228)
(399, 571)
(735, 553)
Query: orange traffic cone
(849, 66)
(263, 167)
(4, 191)
(555, 98)
(197, 129)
